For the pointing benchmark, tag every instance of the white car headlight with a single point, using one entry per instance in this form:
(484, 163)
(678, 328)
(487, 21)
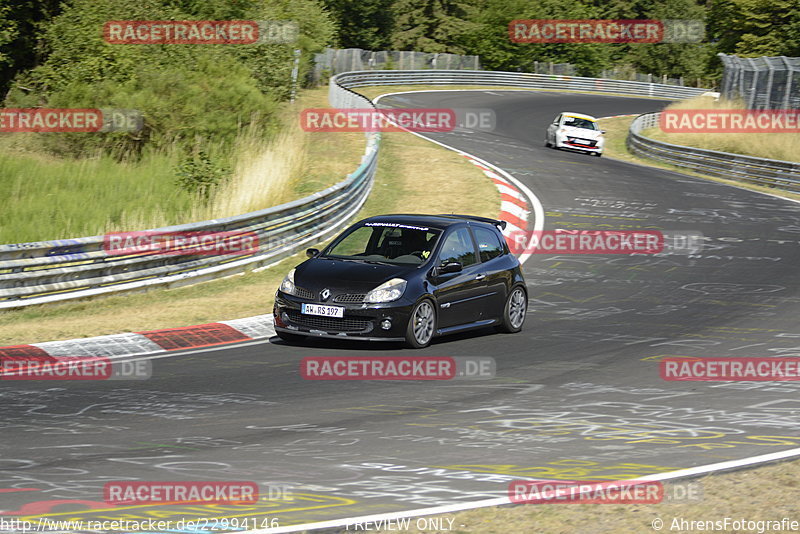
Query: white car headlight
(387, 292)
(287, 286)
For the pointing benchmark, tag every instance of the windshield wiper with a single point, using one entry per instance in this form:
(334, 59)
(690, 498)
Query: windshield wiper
(360, 260)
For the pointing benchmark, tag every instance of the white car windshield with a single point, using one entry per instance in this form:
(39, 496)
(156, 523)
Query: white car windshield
(576, 122)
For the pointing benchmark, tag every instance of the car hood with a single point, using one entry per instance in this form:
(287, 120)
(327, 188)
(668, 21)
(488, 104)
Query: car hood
(582, 132)
(343, 276)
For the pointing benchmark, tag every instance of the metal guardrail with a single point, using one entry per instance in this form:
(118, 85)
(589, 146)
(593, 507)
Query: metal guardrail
(514, 79)
(51, 271)
(769, 172)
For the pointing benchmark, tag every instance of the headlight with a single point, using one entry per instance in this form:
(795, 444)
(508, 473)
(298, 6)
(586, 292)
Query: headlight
(387, 292)
(287, 286)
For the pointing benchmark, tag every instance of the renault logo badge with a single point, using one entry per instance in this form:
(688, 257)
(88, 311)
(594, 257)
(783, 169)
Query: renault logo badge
(324, 294)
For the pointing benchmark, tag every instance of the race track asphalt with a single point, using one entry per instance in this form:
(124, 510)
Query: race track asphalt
(577, 394)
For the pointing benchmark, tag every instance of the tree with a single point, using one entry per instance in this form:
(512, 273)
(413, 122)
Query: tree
(490, 38)
(689, 60)
(766, 27)
(20, 22)
(363, 24)
(434, 26)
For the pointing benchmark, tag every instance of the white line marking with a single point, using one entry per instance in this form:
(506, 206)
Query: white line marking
(499, 501)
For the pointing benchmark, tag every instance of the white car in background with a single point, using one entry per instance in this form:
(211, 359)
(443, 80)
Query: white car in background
(576, 132)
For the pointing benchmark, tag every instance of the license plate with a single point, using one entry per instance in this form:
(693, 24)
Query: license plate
(582, 141)
(325, 311)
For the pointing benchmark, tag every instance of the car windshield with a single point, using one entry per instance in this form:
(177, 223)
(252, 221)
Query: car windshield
(386, 243)
(575, 122)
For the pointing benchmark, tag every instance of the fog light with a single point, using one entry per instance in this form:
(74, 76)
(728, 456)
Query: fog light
(386, 324)
(285, 317)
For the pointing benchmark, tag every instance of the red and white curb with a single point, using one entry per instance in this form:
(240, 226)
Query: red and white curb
(514, 207)
(118, 346)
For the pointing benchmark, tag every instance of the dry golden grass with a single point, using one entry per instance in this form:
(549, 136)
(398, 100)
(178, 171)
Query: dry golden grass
(262, 176)
(782, 146)
(616, 133)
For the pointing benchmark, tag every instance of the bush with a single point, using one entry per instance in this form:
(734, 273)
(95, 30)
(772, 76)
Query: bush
(191, 96)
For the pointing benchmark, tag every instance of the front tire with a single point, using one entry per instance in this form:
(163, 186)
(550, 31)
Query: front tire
(514, 311)
(421, 325)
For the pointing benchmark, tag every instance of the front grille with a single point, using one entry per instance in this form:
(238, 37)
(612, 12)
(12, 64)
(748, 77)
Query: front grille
(585, 142)
(350, 298)
(330, 324)
(303, 293)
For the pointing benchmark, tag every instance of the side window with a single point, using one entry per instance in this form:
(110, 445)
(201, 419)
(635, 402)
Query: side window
(458, 247)
(489, 245)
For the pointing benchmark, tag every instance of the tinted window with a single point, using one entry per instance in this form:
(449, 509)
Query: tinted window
(580, 123)
(458, 247)
(386, 242)
(489, 244)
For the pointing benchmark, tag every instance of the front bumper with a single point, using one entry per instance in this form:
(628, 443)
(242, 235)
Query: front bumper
(360, 322)
(566, 142)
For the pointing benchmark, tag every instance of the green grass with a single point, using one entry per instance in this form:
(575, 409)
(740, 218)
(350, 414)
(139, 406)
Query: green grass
(47, 198)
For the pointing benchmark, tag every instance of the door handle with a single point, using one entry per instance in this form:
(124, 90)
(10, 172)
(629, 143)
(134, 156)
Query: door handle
(480, 277)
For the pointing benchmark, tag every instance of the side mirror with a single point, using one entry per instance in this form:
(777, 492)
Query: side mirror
(450, 267)
(602, 131)
(312, 252)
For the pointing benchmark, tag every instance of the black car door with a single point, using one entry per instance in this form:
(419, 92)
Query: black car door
(497, 277)
(459, 294)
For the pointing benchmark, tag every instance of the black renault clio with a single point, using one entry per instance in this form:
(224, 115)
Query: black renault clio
(404, 278)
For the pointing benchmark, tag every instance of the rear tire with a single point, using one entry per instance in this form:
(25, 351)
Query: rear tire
(421, 325)
(290, 338)
(514, 311)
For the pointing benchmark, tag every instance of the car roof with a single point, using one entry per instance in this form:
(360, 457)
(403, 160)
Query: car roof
(578, 115)
(433, 221)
